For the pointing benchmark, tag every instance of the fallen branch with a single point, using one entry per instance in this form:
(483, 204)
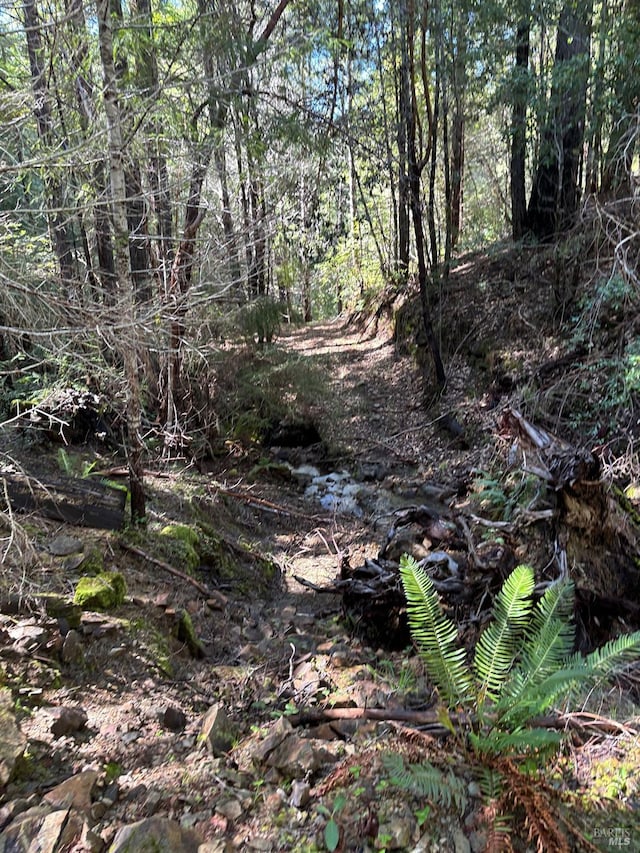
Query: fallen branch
(267, 506)
(214, 598)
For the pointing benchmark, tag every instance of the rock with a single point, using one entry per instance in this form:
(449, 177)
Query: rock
(231, 809)
(42, 829)
(173, 718)
(297, 756)
(90, 842)
(155, 835)
(300, 794)
(62, 546)
(186, 633)
(217, 731)
(73, 648)
(67, 720)
(218, 846)
(75, 791)
(281, 729)
(461, 842)
(12, 741)
(102, 592)
(61, 608)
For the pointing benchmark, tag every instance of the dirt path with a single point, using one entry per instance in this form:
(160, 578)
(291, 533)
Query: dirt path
(376, 413)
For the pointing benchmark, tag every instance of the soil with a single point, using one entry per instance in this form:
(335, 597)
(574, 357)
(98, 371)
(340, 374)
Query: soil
(265, 645)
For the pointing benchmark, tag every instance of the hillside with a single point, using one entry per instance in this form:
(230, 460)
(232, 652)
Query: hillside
(233, 695)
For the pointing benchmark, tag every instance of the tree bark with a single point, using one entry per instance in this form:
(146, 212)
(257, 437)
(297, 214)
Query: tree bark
(59, 227)
(415, 168)
(124, 277)
(555, 194)
(519, 129)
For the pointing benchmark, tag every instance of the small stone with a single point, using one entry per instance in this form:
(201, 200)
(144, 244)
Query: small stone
(173, 718)
(72, 648)
(296, 756)
(231, 809)
(281, 729)
(67, 720)
(91, 842)
(130, 737)
(217, 731)
(300, 794)
(461, 842)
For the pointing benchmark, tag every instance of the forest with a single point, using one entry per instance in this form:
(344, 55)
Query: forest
(319, 395)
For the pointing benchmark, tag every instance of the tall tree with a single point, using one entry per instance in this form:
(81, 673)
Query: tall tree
(555, 193)
(520, 95)
(124, 272)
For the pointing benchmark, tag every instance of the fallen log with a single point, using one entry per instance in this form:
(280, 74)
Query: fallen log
(85, 502)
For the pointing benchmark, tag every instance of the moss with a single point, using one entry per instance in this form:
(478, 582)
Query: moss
(93, 563)
(185, 545)
(186, 633)
(155, 643)
(102, 592)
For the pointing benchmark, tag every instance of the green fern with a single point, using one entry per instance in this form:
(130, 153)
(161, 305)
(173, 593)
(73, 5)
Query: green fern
(426, 780)
(435, 635)
(523, 665)
(499, 643)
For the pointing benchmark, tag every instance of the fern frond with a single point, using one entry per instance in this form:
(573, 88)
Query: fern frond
(426, 780)
(547, 645)
(536, 699)
(435, 635)
(498, 644)
(606, 661)
(496, 742)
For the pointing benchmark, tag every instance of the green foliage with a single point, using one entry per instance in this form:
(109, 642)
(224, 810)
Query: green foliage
(258, 388)
(523, 663)
(435, 635)
(426, 780)
(260, 320)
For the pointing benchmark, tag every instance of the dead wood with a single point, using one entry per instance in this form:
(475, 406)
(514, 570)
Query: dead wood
(85, 502)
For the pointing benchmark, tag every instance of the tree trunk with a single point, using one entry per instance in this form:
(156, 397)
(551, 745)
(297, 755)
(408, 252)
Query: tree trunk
(61, 237)
(555, 194)
(404, 192)
(415, 168)
(519, 129)
(623, 139)
(124, 278)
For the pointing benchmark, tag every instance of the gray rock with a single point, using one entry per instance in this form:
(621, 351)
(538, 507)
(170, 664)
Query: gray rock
(73, 648)
(155, 835)
(461, 842)
(217, 731)
(281, 729)
(67, 720)
(300, 794)
(12, 741)
(62, 546)
(42, 828)
(297, 756)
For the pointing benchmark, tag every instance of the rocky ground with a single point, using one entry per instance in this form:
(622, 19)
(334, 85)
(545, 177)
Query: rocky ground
(174, 718)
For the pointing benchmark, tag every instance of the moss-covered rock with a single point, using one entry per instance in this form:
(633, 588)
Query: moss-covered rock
(185, 544)
(103, 592)
(93, 563)
(186, 633)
